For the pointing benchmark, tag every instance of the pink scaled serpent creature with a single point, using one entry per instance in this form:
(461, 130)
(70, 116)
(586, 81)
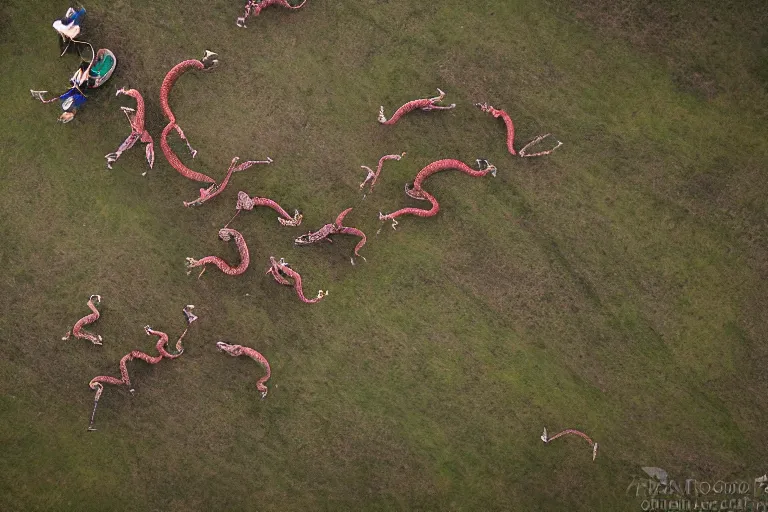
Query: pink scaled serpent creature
(511, 133)
(245, 202)
(282, 272)
(425, 104)
(97, 383)
(547, 439)
(138, 132)
(206, 194)
(239, 350)
(225, 234)
(373, 176)
(78, 332)
(254, 7)
(334, 229)
(416, 191)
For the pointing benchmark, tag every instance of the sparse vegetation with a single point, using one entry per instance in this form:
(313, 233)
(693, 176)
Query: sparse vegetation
(617, 286)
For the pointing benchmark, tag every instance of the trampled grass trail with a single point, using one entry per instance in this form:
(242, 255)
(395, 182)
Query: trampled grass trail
(616, 286)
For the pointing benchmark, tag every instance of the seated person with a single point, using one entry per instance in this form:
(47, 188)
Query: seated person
(69, 25)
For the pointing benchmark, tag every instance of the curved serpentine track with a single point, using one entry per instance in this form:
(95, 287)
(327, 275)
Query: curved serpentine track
(138, 132)
(416, 191)
(425, 104)
(282, 272)
(245, 202)
(254, 7)
(78, 332)
(97, 383)
(485, 107)
(334, 229)
(206, 194)
(239, 350)
(373, 176)
(225, 234)
(547, 439)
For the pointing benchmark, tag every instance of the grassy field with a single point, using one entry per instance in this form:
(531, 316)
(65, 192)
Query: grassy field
(617, 286)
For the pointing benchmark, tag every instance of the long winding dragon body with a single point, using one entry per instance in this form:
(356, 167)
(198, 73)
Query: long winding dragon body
(547, 439)
(254, 8)
(415, 190)
(97, 383)
(334, 228)
(78, 332)
(418, 212)
(446, 165)
(373, 176)
(239, 350)
(283, 273)
(495, 112)
(214, 189)
(138, 132)
(246, 202)
(425, 104)
(225, 234)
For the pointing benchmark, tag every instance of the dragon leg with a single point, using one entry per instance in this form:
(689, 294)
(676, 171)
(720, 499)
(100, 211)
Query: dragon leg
(186, 141)
(534, 142)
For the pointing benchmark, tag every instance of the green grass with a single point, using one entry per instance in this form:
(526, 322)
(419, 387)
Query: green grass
(617, 286)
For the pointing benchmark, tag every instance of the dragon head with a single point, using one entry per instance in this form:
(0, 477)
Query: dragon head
(244, 201)
(303, 239)
(274, 265)
(296, 221)
(233, 350)
(188, 314)
(440, 96)
(96, 299)
(382, 117)
(225, 234)
(205, 194)
(122, 90)
(209, 60)
(148, 330)
(485, 107)
(190, 263)
(485, 165)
